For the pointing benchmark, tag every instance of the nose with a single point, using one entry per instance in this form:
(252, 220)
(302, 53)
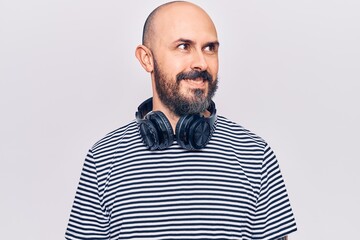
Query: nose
(199, 61)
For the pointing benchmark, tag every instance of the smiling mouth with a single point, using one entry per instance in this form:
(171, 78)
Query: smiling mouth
(197, 82)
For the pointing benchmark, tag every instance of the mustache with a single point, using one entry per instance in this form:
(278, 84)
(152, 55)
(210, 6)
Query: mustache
(205, 75)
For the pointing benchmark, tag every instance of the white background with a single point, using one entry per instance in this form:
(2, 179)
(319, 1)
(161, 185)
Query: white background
(289, 71)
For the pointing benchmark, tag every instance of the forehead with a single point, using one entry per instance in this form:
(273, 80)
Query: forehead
(183, 21)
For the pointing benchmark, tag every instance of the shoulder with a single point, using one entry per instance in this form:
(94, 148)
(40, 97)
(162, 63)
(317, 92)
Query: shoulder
(124, 135)
(235, 132)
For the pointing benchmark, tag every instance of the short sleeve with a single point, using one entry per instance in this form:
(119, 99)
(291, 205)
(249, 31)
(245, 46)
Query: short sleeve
(88, 217)
(273, 216)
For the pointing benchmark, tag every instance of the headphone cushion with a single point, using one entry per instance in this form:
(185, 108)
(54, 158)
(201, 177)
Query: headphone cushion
(149, 134)
(160, 129)
(193, 132)
(201, 133)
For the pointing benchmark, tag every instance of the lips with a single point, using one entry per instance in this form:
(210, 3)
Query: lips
(197, 82)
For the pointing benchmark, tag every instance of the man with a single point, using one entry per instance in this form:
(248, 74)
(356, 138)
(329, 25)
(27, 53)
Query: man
(180, 171)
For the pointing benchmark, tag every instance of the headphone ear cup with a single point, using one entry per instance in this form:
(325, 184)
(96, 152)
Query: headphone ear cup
(193, 132)
(201, 133)
(182, 131)
(158, 133)
(149, 135)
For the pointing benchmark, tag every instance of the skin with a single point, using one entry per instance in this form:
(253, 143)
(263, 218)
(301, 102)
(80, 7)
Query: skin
(183, 38)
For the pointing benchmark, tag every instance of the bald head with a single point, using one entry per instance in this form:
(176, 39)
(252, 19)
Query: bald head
(180, 51)
(171, 13)
(149, 23)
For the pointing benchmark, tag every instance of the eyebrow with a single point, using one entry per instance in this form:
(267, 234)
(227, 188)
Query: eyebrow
(191, 42)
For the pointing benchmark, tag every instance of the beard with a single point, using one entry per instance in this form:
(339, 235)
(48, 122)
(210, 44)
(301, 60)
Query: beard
(197, 100)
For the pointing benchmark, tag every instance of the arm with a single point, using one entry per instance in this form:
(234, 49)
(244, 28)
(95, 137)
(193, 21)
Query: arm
(273, 210)
(88, 218)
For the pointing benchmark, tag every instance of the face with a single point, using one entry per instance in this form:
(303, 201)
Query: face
(185, 59)
(195, 100)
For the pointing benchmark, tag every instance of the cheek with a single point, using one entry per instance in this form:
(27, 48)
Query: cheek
(213, 64)
(172, 67)
(175, 60)
(214, 72)
(216, 69)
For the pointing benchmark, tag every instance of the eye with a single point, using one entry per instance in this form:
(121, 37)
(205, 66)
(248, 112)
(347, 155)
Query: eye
(210, 48)
(183, 46)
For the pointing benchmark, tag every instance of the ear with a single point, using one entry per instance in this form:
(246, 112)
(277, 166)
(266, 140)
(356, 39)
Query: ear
(145, 57)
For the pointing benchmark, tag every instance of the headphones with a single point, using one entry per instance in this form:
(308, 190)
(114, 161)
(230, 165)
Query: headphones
(192, 131)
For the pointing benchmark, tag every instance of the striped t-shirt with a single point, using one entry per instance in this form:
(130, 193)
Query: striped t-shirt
(231, 189)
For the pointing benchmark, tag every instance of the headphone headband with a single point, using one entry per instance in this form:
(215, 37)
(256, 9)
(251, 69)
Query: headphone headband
(143, 109)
